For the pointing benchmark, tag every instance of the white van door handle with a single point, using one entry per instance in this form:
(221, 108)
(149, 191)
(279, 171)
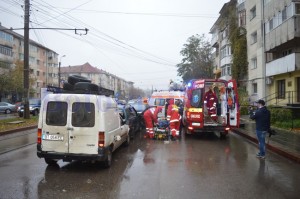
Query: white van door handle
(70, 129)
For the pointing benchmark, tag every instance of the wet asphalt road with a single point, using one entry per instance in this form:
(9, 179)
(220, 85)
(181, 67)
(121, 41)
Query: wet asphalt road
(195, 167)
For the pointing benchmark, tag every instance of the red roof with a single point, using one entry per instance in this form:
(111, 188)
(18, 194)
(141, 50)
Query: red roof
(85, 68)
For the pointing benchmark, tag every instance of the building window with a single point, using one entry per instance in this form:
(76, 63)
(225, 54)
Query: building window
(6, 51)
(38, 62)
(5, 36)
(38, 84)
(253, 13)
(271, 24)
(226, 70)
(4, 65)
(284, 16)
(254, 37)
(37, 73)
(297, 8)
(254, 63)
(242, 18)
(281, 89)
(254, 86)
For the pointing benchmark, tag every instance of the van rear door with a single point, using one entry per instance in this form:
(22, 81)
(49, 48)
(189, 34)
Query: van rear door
(54, 127)
(83, 131)
(69, 126)
(233, 104)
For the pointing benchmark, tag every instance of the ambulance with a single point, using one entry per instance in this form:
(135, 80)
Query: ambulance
(211, 105)
(160, 98)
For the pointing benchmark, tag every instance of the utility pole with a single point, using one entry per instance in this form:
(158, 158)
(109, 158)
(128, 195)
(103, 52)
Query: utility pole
(26, 60)
(59, 64)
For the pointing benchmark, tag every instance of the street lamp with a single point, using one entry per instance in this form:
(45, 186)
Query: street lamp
(59, 64)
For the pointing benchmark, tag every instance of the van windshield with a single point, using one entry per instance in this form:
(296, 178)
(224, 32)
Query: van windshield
(83, 114)
(159, 102)
(196, 98)
(57, 113)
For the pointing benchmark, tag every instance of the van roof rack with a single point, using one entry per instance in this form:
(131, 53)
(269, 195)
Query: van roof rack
(100, 91)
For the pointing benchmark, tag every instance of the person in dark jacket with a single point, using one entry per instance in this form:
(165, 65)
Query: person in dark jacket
(262, 118)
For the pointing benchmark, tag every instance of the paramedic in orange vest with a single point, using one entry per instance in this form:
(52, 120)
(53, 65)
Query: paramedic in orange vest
(150, 116)
(210, 101)
(174, 118)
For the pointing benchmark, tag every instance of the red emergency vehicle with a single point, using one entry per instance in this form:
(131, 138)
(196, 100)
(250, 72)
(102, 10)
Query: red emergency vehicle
(211, 105)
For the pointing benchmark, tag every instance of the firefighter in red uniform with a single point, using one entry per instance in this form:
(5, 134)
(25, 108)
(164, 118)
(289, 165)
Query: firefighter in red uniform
(150, 116)
(210, 101)
(174, 118)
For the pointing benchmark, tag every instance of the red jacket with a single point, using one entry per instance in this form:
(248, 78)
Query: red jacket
(152, 113)
(173, 113)
(210, 99)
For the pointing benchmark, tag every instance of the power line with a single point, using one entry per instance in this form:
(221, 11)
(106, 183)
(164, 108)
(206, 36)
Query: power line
(123, 43)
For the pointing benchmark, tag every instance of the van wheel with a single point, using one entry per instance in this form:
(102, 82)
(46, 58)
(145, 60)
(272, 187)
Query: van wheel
(35, 112)
(223, 135)
(126, 143)
(51, 162)
(7, 111)
(108, 161)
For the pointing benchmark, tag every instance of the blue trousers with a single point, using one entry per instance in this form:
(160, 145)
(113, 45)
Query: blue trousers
(261, 137)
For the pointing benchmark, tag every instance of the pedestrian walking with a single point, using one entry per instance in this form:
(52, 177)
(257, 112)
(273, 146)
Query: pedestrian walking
(262, 118)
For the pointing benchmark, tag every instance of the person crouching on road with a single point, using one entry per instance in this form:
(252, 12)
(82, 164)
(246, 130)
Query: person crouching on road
(174, 118)
(150, 117)
(262, 118)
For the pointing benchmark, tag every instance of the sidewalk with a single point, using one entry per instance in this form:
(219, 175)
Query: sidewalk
(284, 143)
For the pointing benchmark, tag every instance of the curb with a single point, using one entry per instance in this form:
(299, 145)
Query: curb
(17, 130)
(277, 150)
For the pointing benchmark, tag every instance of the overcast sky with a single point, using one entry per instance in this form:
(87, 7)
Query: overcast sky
(137, 40)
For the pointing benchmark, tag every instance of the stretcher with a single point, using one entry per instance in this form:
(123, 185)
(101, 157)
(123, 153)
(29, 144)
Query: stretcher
(162, 130)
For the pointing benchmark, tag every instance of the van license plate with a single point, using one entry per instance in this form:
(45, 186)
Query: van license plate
(53, 137)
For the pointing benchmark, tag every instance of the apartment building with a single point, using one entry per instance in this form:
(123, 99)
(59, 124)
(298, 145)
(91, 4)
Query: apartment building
(42, 61)
(255, 49)
(99, 77)
(282, 48)
(220, 42)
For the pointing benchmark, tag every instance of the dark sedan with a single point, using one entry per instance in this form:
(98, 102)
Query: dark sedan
(132, 118)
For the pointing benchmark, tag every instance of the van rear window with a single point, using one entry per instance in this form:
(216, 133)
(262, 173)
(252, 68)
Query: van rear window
(159, 102)
(57, 113)
(83, 114)
(196, 98)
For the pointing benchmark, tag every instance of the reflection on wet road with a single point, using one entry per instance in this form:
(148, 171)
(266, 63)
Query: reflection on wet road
(195, 167)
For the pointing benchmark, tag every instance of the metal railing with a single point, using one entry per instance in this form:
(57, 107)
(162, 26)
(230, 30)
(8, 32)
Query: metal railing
(283, 98)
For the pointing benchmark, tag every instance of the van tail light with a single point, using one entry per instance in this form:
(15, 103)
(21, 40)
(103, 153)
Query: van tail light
(227, 128)
(188, 114)
(39, 136)
(101, 138)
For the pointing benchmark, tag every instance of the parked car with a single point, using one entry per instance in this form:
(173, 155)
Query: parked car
(7, 108)
(34, 107)
(132, 118)
(139, 107)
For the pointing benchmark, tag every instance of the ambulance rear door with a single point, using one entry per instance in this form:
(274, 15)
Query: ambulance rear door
(233, 104)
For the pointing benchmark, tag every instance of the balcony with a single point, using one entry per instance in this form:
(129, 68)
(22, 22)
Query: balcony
(214, 41)
(226, 60)
(283, 65)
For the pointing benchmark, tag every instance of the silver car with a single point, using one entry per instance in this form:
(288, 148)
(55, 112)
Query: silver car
(7, 107)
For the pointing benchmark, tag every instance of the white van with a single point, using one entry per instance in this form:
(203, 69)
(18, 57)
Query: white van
(79, 127)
